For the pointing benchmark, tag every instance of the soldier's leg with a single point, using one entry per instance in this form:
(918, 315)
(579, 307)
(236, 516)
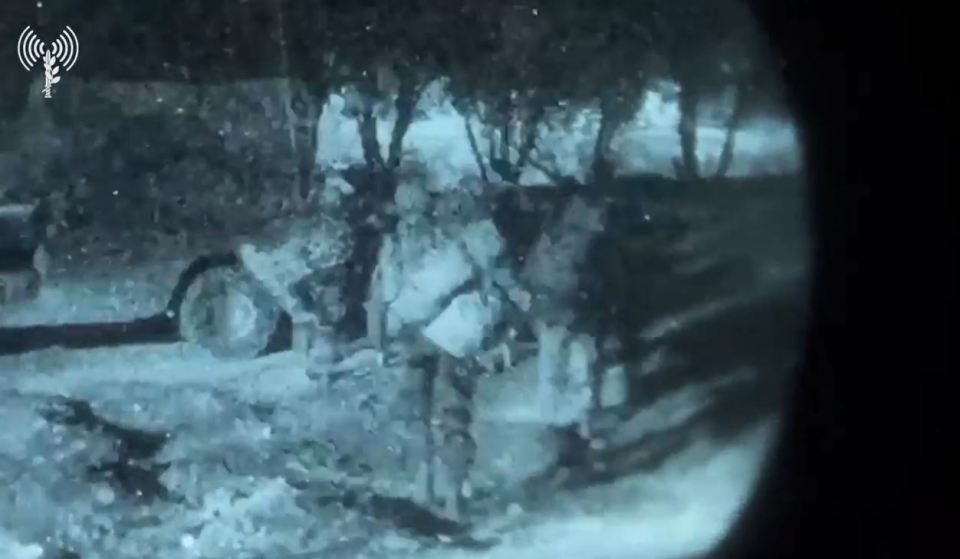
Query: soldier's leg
(457, 448)
(425, 475)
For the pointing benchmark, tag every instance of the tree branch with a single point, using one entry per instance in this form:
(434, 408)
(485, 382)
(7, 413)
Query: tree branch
(406, 104)
(557, 178)
(475, 148)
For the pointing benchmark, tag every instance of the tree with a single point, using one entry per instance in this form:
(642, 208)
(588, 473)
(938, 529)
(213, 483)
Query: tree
(702, 41)
(534, 58)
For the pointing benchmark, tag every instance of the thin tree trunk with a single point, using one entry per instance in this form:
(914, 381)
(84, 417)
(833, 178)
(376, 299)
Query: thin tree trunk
(601, 167)
(475, 148)
(507, 116)
(726, 156)
(500, 153)
(366, 223)
(530, 138)
(367, 126)
(689, 102)
(382, 183)
(406, 104)
(617, 107)
(612, 117)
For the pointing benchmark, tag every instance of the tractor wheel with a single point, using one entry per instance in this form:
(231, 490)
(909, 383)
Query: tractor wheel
(226, 311)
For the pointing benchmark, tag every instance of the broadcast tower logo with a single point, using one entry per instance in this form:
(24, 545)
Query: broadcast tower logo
(61, 54)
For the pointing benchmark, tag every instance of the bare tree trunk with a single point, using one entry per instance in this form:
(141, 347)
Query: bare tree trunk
(616, 109)
(367, 224)
(367, 126)
(381, 183)
(726, 156)
(406, 104)
(506, 115)
(689, 167)
(500, 153)
(475, 148)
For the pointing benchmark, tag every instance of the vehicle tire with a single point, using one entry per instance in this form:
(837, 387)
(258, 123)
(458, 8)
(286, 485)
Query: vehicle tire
(226, 311)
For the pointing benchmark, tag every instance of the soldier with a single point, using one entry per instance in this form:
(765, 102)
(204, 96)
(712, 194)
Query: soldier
(456, 449)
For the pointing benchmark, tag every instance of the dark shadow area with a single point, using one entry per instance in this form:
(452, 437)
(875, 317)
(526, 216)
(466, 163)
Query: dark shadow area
(693, 318)
(194, 271)
(731, 411)
(161, 328)
(132, 471)
(760, 335)
(157, 329)
(834, 483)
(281, 338)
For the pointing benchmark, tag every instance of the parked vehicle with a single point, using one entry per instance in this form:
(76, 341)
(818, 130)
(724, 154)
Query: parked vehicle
(238, 304)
